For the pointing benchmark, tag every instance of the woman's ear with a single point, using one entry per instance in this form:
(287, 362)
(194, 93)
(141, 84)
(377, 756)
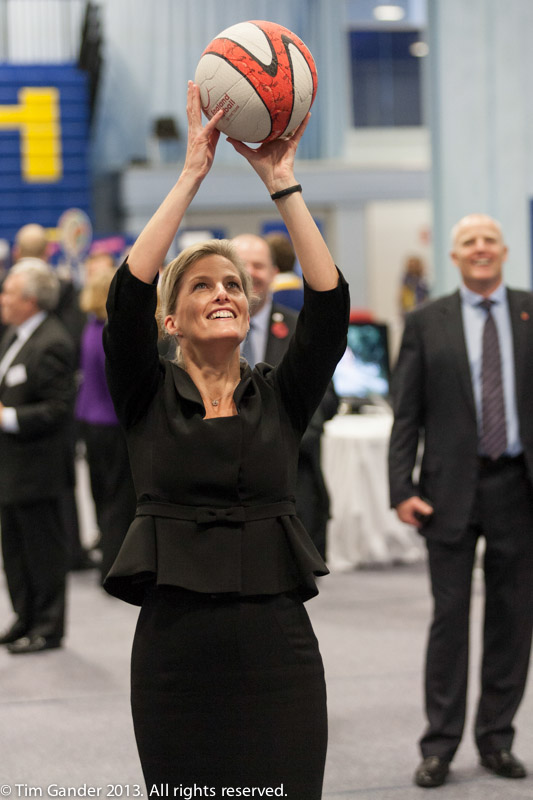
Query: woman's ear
(171, 326)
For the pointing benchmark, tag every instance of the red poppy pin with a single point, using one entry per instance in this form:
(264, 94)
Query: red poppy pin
(524, 315)
(279, 330)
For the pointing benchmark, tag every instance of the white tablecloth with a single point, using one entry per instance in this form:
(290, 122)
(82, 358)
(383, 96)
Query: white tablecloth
(363, 528)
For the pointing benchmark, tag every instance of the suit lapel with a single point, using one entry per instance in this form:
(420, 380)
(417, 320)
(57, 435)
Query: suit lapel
(278, 337)
(21, 355)
(452, 320)
(7, 340)
(521, 327)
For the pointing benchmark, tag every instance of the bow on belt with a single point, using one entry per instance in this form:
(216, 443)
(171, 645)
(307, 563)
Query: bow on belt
(208, 515)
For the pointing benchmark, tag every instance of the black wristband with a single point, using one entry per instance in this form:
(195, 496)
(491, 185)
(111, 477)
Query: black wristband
(290, 190)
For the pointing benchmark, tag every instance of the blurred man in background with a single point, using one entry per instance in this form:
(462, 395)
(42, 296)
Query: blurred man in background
(36, 399)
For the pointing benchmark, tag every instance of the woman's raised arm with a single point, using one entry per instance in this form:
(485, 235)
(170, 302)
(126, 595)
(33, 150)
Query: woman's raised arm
(151, 247)
(274, 163)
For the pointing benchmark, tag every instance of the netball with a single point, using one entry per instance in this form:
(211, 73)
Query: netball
(262, 76)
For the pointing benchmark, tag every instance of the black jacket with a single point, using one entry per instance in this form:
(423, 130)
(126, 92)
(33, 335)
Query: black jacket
(219, 483)
(39, 384)
(433, 400)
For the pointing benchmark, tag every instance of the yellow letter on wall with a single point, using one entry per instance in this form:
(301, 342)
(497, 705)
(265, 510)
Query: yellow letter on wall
(37, 119)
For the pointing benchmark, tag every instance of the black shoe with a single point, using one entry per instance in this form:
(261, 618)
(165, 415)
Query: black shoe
(432, 772)
(12, 634)
(33, 644)
(503, 763)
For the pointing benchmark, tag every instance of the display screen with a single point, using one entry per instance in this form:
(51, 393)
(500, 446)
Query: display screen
(364, 369)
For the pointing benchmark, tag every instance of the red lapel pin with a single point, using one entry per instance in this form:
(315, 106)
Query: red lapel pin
(524, 315)
(279, 330)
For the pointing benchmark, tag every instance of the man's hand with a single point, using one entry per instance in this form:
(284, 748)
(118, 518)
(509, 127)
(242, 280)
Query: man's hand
(414, 510)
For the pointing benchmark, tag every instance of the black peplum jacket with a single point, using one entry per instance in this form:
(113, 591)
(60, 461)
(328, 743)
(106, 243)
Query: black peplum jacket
(215, 497)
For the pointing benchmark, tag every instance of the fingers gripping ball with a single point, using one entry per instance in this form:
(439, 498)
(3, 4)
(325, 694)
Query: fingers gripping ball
(262, 76)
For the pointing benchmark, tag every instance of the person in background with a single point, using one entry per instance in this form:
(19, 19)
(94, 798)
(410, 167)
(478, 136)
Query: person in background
(96, 263)
(271, 328)
(5, 261)
(227, 680)
(464, 383)
(271, 324)
(414, 289)
(31, 241)
(37, 367)
(287, 287)
(106, 452)
(312, 496)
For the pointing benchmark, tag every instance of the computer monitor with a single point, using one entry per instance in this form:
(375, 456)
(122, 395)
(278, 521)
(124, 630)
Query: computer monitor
(363, 374)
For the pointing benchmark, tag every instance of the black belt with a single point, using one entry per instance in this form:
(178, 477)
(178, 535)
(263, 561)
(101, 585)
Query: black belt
(503, 461)
(207, 515)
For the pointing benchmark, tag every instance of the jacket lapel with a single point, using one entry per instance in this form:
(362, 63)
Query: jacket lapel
(521, 327)
(452, 319)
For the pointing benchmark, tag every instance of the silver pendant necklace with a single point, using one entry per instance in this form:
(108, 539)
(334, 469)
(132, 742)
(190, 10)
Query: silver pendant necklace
(217, 402)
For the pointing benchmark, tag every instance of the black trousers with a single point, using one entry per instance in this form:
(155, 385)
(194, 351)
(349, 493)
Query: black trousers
(35, 553)
(111, 487)
(503, 515)
(228, 693)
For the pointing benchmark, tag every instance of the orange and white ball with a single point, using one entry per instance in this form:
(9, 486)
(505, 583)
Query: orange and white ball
(263, 77)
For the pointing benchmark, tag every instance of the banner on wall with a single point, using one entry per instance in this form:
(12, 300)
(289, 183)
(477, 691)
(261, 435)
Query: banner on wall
(44, 137)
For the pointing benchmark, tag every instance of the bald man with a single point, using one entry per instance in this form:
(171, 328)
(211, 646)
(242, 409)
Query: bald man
(31, 241)
(463, 385)
(271, 325)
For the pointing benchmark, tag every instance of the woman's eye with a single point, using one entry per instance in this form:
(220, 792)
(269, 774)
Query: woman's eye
(234, 285)
(200, 285)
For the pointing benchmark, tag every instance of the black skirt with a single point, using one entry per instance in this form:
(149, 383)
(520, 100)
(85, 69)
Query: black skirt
(228, 693)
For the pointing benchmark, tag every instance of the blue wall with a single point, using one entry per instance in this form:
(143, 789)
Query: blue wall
(35, 197)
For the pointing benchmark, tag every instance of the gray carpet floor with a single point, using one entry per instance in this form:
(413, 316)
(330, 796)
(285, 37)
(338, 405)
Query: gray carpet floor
(65, 721)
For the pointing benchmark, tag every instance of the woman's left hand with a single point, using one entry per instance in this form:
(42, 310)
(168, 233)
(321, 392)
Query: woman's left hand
(274, 161)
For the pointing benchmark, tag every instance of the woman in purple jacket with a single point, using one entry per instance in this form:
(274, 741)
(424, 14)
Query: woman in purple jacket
(107, 456)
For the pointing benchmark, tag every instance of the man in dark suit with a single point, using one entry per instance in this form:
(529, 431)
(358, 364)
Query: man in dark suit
(464, 385)
(271, 328)
(271, 325)
(31, 241)
(36, 399)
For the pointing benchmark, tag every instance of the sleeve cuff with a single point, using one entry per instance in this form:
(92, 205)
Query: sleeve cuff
(10, 423)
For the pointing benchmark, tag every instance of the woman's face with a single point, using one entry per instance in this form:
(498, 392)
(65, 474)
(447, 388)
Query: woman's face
(211, 304)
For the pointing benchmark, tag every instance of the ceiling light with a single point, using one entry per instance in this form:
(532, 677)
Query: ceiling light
(389, 13)
(419, 49)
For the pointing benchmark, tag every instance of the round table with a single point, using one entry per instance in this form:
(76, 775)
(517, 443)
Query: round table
(363, 529)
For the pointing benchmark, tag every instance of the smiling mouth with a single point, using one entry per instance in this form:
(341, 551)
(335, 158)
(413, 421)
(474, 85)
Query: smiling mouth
(221, 315)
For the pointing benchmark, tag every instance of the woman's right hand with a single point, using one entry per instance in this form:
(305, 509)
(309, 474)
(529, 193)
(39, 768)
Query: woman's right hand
(150, 250)
(201, 140)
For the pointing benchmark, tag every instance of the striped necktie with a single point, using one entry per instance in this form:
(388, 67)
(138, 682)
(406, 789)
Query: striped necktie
(493, 428)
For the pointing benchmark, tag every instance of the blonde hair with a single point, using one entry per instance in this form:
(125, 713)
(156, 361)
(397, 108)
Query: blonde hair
(173, 274)
(93, 296)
